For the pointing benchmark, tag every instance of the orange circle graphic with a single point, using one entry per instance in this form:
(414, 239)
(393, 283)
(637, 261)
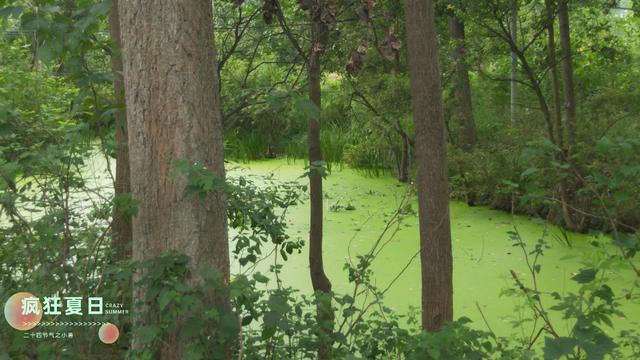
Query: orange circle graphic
(108, 333)
(23, 311)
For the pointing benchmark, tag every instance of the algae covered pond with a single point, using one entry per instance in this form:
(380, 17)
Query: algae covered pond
(483, 253)
(357, 208)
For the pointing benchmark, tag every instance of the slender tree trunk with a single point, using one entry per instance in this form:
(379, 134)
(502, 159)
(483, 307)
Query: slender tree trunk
(431, 158)
(462, 109)
(537, 89)
(320, 282)
(121, 223)
(403, 168)
(173, 113)
(514, 63)
(567, 75)
(555, 84)
(528, 71)
(566, 214)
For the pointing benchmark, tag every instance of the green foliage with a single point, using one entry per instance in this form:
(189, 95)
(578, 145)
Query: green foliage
(245, 148)
(589, 310)
(368, 157)
(200, 180)
(170, 307)
(125, 204)
(257, 213)
(318, 168)
(57, 122)
(280, 323)
(607, 182)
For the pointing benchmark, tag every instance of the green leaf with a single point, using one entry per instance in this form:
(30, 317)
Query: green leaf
(260, 278)
(537, 268)
(192, 328)
(165, 298)
(307, 107)
(268, 332)
(101, 8)
(621, 196)
(585, 276)
(11, 11)
(147, 334)
(247, 320)
(556, 348)
(9, 170)
(605, 293)
(126, 204)
(316, 167)
(529, 171)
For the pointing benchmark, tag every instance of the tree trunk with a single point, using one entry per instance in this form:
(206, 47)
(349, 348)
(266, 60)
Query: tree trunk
(431, 158)
(566, 214)
(555, 85)
(514, 63)
(462, 108)
(320, 282)
(121, 222)
(537, 89)
(173, 113)
(567, 75)
(403, 168)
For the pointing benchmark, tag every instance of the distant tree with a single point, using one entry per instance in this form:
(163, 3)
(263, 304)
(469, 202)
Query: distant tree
(567, 74)
(121, 223)
(513, 29)
(462, 109)
(555, 83)
(431, 159)
(557, 107)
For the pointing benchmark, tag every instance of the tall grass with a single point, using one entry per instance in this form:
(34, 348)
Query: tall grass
(245, 148)
(370, 159)
(333, 142)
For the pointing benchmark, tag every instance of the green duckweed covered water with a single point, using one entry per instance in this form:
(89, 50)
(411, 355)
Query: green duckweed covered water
(482, 251)
(483, 254)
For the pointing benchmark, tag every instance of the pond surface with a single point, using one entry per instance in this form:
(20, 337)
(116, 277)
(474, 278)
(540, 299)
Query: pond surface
(482, 251)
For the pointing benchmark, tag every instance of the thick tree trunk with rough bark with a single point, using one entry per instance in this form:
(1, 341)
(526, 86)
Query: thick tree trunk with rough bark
(567, 75)
(462, 112)
(121, 222)
(431, 159)
(319, 280)
(173, 113)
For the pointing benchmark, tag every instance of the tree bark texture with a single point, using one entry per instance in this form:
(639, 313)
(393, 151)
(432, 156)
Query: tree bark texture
(559, 131)
(431, 159)
(403, 168)
(514, 62)
(173, 113)
(121, 231)
(567, 75)
(319, 280)
(555, 84)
